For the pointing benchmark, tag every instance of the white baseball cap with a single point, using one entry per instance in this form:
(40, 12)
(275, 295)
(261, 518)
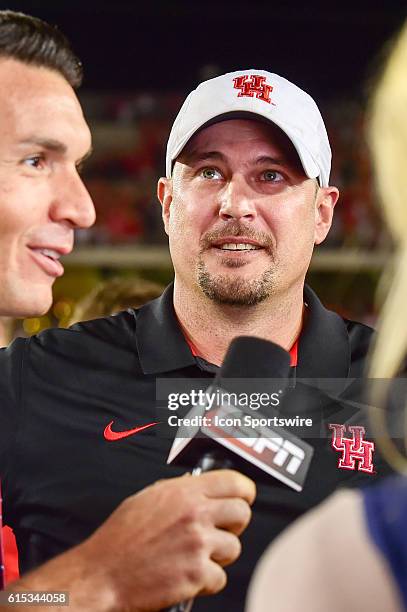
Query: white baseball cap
(260, 93)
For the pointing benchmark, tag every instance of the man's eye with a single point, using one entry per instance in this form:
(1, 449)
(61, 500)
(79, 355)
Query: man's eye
(211, 173)
(35, 161)
(271, 176)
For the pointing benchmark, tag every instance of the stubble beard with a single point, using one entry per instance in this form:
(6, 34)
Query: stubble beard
(237, 291)
(232, 289)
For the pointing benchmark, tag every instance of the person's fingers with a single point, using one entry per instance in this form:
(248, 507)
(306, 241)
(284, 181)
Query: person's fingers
(231, 514)
(215, 579)
(225, 546)
(228, 483)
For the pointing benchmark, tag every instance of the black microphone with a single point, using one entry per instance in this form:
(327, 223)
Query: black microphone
(227, 434)
(250, 357)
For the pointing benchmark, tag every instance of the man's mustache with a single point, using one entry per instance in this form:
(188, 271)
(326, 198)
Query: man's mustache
(236, 229)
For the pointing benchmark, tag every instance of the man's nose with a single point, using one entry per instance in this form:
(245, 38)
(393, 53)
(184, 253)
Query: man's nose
(71, 201)
(237, 200)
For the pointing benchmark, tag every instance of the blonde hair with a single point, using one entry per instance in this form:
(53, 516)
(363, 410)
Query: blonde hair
(115, 295)
(387, 134)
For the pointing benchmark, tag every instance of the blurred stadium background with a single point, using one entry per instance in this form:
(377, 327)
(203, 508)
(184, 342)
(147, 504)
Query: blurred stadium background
(140, 61)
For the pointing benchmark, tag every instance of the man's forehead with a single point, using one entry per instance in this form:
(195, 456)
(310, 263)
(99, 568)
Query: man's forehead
(40, 105)
(25, 86)
(19, 74)
(221, 137)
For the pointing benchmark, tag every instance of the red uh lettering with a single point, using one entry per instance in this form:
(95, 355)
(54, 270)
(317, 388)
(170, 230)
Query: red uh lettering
(355, 449)
(254, 85)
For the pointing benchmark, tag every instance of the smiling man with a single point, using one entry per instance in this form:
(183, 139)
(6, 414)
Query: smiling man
(245, 198)
(43, 140)
(170, 541)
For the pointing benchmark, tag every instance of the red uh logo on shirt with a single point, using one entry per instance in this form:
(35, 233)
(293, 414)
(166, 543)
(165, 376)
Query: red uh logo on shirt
(253, 85)
(355, 449)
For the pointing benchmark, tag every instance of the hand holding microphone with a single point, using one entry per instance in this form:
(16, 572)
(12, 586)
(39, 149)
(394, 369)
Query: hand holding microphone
(167, 543)
(267, 452)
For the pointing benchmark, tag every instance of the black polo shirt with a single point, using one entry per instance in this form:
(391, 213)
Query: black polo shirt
(60, 476)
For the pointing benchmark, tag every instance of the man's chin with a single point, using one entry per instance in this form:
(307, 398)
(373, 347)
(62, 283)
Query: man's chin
(33, 301)
(239, 291)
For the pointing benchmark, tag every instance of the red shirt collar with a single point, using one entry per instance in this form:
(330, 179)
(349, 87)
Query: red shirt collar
(293, 351)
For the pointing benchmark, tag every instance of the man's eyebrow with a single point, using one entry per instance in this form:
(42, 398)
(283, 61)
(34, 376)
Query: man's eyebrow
(198, 156)
(45, 143)
(51, 144)
(275, 161)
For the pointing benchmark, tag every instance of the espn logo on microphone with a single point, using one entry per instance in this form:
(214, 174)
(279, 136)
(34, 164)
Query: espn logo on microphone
(273, 450)
(270, 450)
(282, 452)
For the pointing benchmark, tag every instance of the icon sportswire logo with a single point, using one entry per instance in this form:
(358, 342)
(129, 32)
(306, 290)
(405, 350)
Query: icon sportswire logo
(111, 435)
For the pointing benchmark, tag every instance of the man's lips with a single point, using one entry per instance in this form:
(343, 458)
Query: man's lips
(47, 257)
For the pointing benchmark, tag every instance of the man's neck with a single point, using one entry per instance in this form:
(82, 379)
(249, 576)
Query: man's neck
(211, 327)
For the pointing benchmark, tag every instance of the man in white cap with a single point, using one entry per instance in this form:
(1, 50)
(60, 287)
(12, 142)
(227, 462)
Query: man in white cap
(171, 540)
(245, 199)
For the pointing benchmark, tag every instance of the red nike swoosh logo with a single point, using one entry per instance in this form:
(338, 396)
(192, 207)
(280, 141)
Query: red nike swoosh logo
(111, 435)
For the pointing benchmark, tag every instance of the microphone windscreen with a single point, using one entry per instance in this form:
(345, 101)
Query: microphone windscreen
(250, 357)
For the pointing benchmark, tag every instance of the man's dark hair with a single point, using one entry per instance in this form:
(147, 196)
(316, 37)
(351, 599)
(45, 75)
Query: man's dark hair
(33, 41)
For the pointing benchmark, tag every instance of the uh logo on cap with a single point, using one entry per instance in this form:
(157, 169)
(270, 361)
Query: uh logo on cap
(253, 85)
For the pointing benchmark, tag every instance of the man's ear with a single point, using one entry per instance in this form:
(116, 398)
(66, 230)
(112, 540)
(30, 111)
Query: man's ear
(325, 202)
(164, 194)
